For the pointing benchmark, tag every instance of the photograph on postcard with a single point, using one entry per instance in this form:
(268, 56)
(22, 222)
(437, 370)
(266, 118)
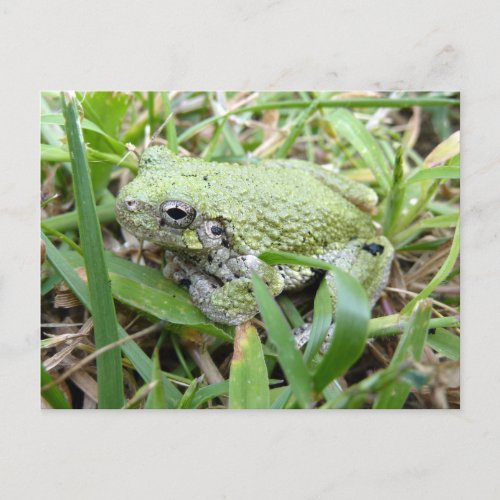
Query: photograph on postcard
(250, 250)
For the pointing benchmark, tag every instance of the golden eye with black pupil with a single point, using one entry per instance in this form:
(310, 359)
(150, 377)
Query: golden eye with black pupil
(176, 214)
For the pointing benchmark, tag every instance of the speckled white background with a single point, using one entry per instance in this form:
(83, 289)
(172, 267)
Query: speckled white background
(253, 44)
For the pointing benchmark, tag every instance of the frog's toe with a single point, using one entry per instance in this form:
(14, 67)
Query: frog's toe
(302, 335)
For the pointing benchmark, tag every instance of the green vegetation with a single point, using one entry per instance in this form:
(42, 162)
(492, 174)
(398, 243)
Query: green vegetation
(151, 347)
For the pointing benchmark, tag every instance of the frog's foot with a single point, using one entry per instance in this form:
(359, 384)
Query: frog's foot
(367, 261)
(228, 300)
(303, 333)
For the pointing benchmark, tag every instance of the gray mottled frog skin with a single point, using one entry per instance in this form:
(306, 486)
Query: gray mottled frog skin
(214, 219)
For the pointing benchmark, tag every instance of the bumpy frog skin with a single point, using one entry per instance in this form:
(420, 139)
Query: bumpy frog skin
(214, 219)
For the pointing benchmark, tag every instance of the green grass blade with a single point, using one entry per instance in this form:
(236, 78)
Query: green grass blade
(86, 124)
(156, 399)
(171, 131)
(296, 130)
(425, 174)
(232, 140)
(363, 102)
(440, 276)
(134, 353)
(445, 343)
(346, 125)
(396, 324)
(395, 197)
(209, 392)
(351, 317)
(281, 336)
(350, 333)
(281, 401)
(291, 312)
(444, 151)
(61, 155)
(69, 220)
(187, 398)
(362, 392)
(248, 380)
(411, 345)
(54, 396)
(322, 319)
(109, 371)
(440, 221)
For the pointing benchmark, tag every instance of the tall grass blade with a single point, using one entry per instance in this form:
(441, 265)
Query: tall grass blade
(281, 336)
(109, 371)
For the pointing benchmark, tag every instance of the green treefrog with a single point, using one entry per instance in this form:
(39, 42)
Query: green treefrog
(215, 219)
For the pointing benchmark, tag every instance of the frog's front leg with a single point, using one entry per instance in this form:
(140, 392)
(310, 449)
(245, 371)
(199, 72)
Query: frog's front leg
(227, 298)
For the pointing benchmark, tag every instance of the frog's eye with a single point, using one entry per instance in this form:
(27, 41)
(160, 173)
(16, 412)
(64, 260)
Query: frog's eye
(176, 214)
(214, 229)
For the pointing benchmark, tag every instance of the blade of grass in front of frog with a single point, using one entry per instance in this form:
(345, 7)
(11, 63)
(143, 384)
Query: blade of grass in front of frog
(109, 370)
(411, 345)
(351, 317)
(350, 333)
(441, 275)
(132, 351)
(347, 126)
(54, 396)
(280, 334)
(322, 319)
(248, 378)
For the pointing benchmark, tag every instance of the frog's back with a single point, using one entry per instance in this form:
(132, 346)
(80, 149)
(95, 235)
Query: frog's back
(268, 206)
(274, 208)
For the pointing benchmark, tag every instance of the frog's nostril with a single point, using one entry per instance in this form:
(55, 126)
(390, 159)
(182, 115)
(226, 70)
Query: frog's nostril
(131, 205)
(176, 213)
